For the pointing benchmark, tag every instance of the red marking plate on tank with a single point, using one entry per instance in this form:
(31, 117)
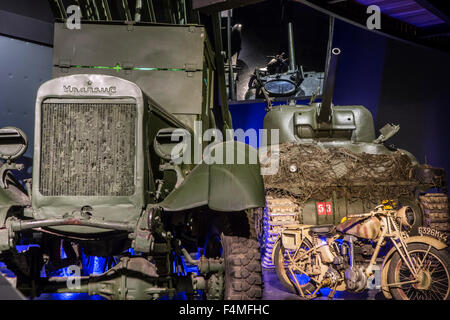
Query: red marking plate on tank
(329, 208)
(321, 210)
(324, 208)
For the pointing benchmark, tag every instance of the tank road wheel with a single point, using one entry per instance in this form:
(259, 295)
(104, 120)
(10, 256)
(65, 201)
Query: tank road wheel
(419, 218)
(278, 212)
(434, 276)
(281, 261)
(435, 210)
(240, 250)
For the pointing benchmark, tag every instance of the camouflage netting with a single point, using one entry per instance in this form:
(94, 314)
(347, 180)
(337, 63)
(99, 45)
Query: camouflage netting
(320, 172)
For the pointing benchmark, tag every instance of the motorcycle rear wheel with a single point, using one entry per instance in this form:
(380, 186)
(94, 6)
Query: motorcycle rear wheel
(435, 275)
(284, 275)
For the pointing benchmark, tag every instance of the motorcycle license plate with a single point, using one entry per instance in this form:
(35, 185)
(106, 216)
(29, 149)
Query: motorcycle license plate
(428, 232)
(324, 208)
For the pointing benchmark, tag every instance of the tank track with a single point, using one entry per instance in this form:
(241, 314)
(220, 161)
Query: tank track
(279, 211)
(435, 210)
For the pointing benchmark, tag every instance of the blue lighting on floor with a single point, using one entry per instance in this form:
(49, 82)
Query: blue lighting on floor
(326, 291)
(69, 296)
(302, 279)
(96, 265)
(22, 248)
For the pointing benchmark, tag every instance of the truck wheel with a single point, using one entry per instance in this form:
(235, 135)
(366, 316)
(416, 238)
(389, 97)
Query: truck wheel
(242, 268)
(240, 251)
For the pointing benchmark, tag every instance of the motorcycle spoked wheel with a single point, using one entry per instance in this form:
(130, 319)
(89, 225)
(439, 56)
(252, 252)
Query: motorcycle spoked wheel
(283, 273)
(435, 276)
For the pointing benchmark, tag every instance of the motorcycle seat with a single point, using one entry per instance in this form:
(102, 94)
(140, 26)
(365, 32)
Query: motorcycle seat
(322, 230)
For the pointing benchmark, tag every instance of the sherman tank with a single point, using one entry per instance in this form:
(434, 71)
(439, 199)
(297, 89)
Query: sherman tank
(114, 174)
(282, 78)
(331, 165)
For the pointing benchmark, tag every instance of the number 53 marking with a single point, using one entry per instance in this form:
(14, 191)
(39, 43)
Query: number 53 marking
(324, 208)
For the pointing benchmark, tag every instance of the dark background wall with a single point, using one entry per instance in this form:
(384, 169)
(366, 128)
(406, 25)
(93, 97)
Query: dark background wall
(360, 68)
(415, 93)
(399, 83)
(26, 36)
(37, 9)
(29, 20)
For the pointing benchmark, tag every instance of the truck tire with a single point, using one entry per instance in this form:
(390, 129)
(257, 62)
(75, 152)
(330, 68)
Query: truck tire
(233, 236)
(243, 278)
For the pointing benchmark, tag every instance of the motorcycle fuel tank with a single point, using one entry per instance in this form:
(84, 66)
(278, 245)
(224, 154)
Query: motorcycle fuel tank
(367, 228)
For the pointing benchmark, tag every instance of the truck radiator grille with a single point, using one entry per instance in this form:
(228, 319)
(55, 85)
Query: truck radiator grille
(87, 149)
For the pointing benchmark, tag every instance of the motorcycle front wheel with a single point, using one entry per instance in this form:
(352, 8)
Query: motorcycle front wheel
(433, 274)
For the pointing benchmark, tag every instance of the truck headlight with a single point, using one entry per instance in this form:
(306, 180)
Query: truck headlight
(13, 143)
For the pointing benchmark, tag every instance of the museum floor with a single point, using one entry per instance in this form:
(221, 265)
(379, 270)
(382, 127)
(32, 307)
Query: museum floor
(274, 290)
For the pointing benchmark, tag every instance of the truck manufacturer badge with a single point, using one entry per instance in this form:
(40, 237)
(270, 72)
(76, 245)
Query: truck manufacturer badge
(110, 90)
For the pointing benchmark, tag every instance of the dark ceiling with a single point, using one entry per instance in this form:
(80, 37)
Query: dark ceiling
(408, 11)
(424, 22)
(37, 9)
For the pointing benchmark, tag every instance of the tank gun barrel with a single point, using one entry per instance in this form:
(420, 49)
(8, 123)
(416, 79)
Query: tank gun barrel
(330, 80)
(291, 47)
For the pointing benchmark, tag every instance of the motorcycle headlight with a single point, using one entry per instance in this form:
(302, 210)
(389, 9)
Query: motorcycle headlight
(406, 216)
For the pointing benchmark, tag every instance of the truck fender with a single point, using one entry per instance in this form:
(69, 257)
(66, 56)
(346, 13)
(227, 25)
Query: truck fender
(438, 245)
(237, 186)
(223, 187)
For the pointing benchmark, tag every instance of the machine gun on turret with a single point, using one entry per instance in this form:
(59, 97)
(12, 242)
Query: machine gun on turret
(282, 78)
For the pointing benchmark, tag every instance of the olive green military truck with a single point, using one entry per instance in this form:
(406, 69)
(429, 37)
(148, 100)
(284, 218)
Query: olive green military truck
(109, 173)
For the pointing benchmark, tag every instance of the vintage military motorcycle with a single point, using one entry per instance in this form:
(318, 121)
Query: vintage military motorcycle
(344, 257)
